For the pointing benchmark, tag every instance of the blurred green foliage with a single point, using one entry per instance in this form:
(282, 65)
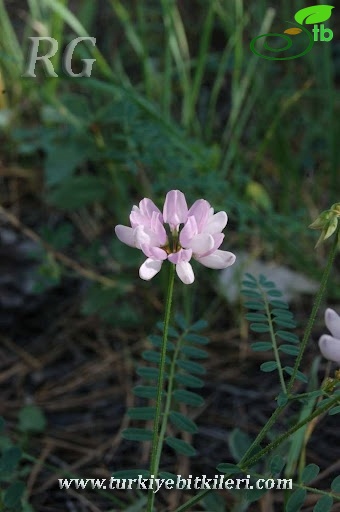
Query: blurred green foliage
(176, 100)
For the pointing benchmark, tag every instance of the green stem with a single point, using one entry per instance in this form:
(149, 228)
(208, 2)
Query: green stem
(167, 406)
(315, 309)
(156, 438)
(274, 344)
(320, 410)
(245, 463)
(260, 436)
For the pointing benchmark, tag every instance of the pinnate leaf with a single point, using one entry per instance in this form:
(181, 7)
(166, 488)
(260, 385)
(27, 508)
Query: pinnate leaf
(141, 413)
(192, 367)
(268, 366)
(260, 346)
(188, 397)
(296, 500)
(180, 446)
(324, 504)
(335, 485)
(309, 473)
(182, 422)
(145, 391)
(189, 380)
(137, 434)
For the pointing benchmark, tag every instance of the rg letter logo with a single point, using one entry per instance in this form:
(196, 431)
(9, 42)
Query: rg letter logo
(66, 59)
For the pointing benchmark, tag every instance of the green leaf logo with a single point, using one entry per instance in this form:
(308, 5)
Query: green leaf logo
(314, 14)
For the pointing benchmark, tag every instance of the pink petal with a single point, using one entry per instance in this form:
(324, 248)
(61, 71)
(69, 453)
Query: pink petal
(216, 223)
(149, 269)
(155, 253)
(175, 209)
(185, 272)
(126, 235)
(188, 231)
(136, 218)
(181, 255)
(148, 207)
(142, 215)
(200, 210)
(218, 259)
(217, 240)
(330, 348)
(332, 320)
(158, 228)
(201, 244)
(144, 235)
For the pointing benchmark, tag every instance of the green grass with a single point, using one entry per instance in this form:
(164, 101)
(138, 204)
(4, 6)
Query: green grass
(178, 100)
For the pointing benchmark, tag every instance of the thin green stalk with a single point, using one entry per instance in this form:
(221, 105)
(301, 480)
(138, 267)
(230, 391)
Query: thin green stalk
(156, 438)
(315, 309)
(56, 30)
(216, 88)
(260, 436)
(167, 74)
(279, 440)
(167, 406)
(238, 54)
(201, 62)
(179, 48)
(71, 20)
(245, 463)
(228, 142)
(147, 69)
(274, 344)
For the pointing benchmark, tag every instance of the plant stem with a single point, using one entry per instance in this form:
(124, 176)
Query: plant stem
(315, 309)
(320, 410)
(157, 439)
(260, 436)
(274, 344)
(167, 405)
(245, 463)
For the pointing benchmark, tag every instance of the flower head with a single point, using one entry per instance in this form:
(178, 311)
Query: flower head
(200, 237)
(327, 222)
(330, 345)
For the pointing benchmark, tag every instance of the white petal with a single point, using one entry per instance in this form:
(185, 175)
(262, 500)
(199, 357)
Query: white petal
(330, 348)
(126, 235)
(332, 320)
(216, 223)
(218, 259)
(149, 269)
(185, 272)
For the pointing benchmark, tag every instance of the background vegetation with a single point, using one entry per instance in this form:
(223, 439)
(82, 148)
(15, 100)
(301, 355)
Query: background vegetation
(176, 100)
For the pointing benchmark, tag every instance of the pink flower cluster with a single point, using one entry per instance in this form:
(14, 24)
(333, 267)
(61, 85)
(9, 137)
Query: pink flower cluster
(330, 345)
(199, 237)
